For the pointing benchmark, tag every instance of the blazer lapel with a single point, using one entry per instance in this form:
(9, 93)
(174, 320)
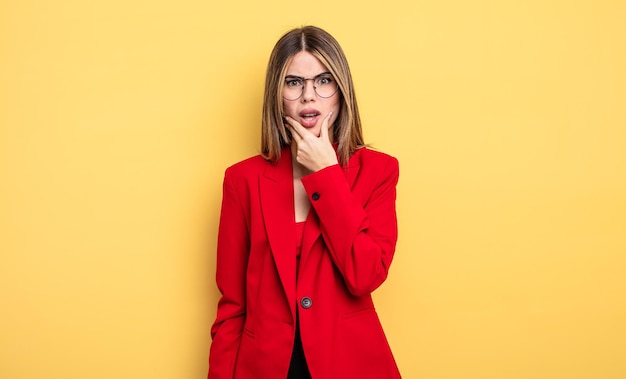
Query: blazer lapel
(276, 191)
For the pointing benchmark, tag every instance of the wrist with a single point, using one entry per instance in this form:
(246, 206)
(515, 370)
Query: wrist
(326, 165)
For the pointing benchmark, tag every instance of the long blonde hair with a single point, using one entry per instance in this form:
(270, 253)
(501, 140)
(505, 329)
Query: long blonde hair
(347, 126)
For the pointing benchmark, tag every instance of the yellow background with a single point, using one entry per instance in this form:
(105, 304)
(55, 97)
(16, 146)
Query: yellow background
(118, 118)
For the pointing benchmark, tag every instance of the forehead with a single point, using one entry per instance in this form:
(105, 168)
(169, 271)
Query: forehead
(305, 64)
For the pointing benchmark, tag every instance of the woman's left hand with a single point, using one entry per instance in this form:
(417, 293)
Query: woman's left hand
(313, 152)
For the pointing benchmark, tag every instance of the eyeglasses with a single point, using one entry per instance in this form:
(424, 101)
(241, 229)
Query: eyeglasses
(324, 86)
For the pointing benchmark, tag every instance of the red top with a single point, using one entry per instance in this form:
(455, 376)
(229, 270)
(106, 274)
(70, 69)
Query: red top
(299, 234)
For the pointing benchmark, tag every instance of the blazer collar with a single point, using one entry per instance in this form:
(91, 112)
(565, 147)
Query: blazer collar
(276, 194)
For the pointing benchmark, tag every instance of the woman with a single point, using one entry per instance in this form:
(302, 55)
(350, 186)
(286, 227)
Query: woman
(307, 230)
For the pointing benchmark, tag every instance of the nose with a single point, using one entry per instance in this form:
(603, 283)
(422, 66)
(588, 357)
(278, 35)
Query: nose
(308, 91)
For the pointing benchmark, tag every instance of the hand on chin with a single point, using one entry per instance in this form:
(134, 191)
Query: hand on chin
(315, 130)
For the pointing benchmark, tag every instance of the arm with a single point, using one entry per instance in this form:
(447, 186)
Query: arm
(232, 260)
(361, 237)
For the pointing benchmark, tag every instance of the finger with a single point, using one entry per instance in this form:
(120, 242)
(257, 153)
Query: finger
(292, 125)
(302, 131)
(296, 127)
(294, 135)
(326, 126)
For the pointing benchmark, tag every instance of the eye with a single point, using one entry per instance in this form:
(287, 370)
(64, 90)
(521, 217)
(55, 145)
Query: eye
(292, 82)
(324, 80)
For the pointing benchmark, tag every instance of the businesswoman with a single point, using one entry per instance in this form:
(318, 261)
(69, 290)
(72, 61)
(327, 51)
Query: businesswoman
(307, 230)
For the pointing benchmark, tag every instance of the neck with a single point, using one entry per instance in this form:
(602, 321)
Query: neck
(298, 170)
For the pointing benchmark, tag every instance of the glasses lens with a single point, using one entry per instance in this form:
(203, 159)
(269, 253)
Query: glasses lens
(293, 88)
(325, 86)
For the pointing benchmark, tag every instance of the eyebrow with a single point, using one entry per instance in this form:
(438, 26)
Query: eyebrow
(301, 77)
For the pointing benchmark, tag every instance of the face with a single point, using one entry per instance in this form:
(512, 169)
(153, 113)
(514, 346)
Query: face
(310, 109)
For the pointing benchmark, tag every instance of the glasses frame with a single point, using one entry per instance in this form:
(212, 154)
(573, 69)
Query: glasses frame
(304, 80)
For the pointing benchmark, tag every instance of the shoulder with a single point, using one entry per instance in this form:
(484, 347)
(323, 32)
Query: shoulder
(374, 159)
(248, 166)
(245, 170)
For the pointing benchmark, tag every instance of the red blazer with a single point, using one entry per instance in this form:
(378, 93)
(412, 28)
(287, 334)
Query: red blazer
(348, 244)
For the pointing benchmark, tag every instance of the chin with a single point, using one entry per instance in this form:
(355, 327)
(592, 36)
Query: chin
(315, 130)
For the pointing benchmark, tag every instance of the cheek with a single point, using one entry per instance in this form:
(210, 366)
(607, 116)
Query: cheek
(288, 108)
(337, 102)
(336, 107)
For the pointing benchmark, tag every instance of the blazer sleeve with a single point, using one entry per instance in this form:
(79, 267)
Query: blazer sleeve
(232, 259)
(360, 234)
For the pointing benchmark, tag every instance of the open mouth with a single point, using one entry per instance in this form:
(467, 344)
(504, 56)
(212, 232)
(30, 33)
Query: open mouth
(308, 118)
